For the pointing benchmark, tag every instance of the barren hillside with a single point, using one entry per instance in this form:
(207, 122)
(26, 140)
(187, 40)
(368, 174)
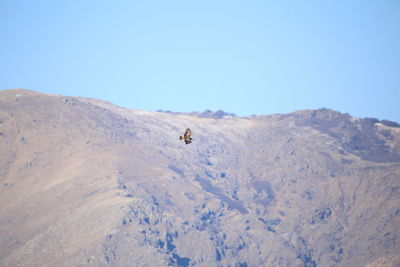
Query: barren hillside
(87, 183)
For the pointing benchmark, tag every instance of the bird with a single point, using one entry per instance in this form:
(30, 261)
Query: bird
(187, 136)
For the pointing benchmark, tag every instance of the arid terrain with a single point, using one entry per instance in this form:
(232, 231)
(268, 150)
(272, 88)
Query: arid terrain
(87, 183)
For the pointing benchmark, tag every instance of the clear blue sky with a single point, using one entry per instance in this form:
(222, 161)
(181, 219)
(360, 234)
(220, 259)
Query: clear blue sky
(245, 57)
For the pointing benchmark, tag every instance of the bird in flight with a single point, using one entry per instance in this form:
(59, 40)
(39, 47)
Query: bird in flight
(187, 136)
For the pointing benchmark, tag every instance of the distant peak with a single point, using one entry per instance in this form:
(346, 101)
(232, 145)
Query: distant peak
(219, 114)
(320, 113)
(19, 90)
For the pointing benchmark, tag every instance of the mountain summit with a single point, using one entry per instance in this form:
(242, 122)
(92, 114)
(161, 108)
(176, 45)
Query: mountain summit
(87, 183)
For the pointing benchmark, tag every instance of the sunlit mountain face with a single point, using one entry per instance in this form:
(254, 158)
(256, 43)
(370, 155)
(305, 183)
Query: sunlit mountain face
(87, 183)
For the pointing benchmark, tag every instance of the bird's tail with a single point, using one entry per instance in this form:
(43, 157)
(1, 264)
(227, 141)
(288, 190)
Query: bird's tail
(180, 137)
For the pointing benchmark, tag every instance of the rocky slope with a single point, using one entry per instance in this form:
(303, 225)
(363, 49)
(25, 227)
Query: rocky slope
(86, 183)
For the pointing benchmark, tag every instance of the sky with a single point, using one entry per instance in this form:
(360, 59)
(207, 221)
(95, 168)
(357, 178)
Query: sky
(245, 57)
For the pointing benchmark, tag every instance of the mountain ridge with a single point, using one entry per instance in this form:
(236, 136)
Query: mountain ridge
(87, 183)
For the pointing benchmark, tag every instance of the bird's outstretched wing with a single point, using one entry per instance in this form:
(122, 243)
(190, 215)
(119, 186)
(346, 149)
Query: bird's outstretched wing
(187, 136)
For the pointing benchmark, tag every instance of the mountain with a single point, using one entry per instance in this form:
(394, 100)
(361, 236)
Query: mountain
(87, 183)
